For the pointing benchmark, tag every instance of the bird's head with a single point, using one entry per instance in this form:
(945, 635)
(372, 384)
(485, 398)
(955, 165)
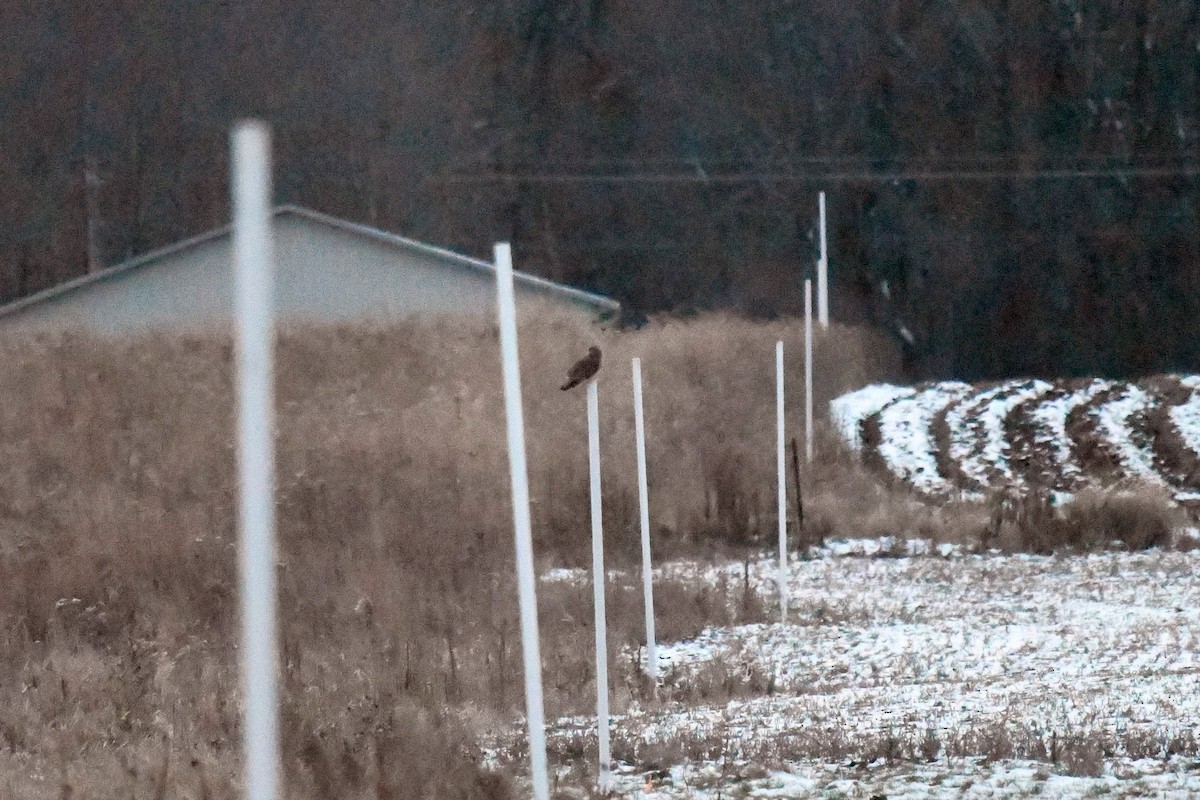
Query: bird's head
(594, 351)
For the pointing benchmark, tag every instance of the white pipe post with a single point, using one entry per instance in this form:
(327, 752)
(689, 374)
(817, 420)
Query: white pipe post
(644, 509)
(534, 713)
(782, 482)
(604, 782)
(808, 372)
(823, 273)
(253, 281)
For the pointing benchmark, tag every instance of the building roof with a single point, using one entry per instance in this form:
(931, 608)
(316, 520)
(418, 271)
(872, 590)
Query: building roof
(393, 240)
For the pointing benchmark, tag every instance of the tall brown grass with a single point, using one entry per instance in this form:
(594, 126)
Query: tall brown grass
(117, 536)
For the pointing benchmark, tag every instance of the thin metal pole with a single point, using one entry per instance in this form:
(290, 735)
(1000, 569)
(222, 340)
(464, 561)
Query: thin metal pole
(781, 486)
(604, 783)
(522, 526)
(644, 515)
(823, 272)
(253, 281)
(808, 372)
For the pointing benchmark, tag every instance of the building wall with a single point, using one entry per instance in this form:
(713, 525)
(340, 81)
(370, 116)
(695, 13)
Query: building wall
(332, 274)
(323, 274)
(187, 289)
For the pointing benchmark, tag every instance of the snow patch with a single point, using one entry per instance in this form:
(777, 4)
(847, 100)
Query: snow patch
(849, 410)
(1101, 646)
(1185, 417)
(906, 439)
(1113, 421)
(938, 779)
(1051, 417)
(986, 461)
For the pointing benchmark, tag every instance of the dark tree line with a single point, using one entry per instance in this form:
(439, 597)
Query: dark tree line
(1014, 183)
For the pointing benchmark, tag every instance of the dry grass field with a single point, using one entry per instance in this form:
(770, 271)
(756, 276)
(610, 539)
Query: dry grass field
(400, 646)
(118, 607)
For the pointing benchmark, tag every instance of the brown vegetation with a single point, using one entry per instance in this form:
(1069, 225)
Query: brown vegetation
(118, 600)
(399, 635)
(1128, 515)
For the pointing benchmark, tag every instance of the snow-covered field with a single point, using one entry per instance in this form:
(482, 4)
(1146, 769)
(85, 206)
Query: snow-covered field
(908, 670)
(977, 440)
(1070, 435)
(849, 410)
(1115, 422)
(1049, 420)
(937, 675)
(940, 779)
(906, 440)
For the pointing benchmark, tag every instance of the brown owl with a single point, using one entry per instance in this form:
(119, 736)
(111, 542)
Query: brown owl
(583, 369)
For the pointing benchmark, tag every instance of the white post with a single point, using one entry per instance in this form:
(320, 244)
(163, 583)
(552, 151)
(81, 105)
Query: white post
(593, 416)
(823, 273)
(782, 483)
(808, 372)
(534, 713)
(644, 509)
(253, 281)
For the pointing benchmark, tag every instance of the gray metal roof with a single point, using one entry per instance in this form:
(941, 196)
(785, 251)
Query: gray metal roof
(449, 256)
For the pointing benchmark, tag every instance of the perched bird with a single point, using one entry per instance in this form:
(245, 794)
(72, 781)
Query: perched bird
(583, 369)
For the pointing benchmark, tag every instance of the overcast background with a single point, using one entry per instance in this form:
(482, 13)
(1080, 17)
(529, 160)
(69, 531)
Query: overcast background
(1021, 173)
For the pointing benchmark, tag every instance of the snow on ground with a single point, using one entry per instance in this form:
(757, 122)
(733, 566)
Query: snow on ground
(1186, 416)
(948, 779)
(1051, 418)
(975, 438)
(762, 575)
(983, 454)
(1113, 418)
(1104, 643)
(886, 546)
(936, 657)
(906, 441)
(849, 410)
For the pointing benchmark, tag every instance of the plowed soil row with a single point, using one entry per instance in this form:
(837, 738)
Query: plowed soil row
(1047, 443)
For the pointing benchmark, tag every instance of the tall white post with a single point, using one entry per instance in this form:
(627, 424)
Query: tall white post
(644, 514)
(254, 284)
(823, 273)
(782, 483)
(604, 782)
(534, 713)
(808, 372)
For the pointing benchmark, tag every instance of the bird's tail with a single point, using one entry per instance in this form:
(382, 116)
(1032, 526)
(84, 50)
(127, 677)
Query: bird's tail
(569, 385)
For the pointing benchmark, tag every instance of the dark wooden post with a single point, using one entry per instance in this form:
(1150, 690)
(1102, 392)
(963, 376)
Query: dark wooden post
(799, 495)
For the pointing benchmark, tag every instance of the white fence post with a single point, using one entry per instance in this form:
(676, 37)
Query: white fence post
(644, 514)
(604, 782)
(823, 273)
(808, 372)
(534, 713)
(253, 281)
(781, 486)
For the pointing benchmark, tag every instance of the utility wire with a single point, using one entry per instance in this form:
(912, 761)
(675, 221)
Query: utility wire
(962, 160)
(845, 176)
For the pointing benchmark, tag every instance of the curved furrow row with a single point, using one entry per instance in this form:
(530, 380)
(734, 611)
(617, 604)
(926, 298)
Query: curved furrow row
(978, 440)
(953, 439)
(850, 410)
(1186, 415)
(906, 441)
(1173, 428)
(1050, 423)
(1120, 425)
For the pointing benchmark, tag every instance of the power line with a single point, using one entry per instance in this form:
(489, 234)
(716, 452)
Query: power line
(857, 176)
(960, 159)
